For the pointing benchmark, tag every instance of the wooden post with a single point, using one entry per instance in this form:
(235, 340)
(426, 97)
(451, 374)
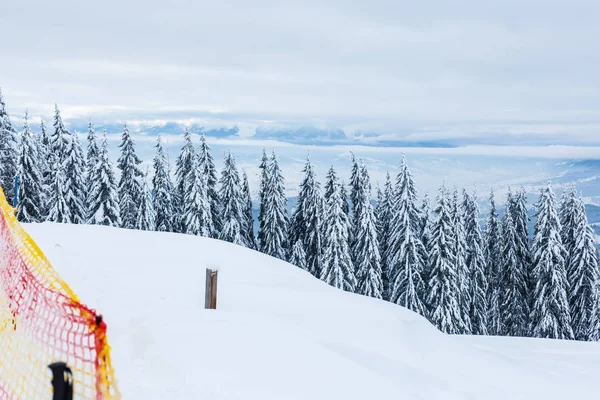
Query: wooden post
(210, 296)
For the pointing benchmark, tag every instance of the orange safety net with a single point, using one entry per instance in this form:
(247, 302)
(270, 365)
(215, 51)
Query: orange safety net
(42, 321)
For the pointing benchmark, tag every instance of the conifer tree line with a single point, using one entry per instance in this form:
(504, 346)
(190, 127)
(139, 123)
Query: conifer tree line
(436, 259)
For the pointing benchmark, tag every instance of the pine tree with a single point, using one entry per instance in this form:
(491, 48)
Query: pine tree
(355, 184)
(406, 254)
(59, 209)
(75, 185)
(93, 153)
(232, 215)
(146, 216)
(29, 199)
(130, 190)
(103, 204)
(207, 166)
(384, 217)
(460, 254)
(197, 217)
(44, 155)
(518, 208)
(583, 272)
(337, 270)
(184, 167)
(298, 256)
(475, 266)
(493, 261)
(58, 139)
(444, 285)
(164, 209)
(247, 212)
(366, 246)
(307, 220)
(8, 152)
(264, 165)
(550, 314)
(275, 219)
(344, 196)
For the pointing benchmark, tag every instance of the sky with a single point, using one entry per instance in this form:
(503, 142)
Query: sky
(470, 91)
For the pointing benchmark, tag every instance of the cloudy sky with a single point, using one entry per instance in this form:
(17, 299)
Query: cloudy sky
(428, 70)
(472, 91)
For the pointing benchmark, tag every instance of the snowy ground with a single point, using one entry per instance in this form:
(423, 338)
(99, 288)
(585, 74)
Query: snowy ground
(279, 333)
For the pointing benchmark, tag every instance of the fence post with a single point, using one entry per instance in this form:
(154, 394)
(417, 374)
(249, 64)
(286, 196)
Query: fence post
(210, 294)
(62, 381)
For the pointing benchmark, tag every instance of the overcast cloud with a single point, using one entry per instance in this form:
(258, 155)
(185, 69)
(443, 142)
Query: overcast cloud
(462, 69)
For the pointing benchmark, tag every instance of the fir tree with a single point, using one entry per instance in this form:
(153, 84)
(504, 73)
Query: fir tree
(518, 208)
(355, 184)
(582, 272)
(232, 216)
(184, 167)
(29, 199)
(493, 261)
(444, 285)
(146, 216)
(58, 139)
(93, 153)
(103, 204)
(197, 217)
(75, 185)
(130, 190)
(264, 176)
(460, 254)
(384, 217)
(344, 196)
(247, 212)
(550, 314)
(298, 256)
(44, 155)
(406, 254)
(307, 220)
(59, 209)
(337, 270)
(275, 222)
(475, 266)
(8, 152)
(366, 245)
(164, 209)
(207, 166)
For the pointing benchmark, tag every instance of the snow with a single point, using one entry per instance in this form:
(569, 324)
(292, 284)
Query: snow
(279, 333)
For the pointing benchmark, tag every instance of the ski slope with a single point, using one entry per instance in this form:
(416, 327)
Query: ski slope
(279, 333)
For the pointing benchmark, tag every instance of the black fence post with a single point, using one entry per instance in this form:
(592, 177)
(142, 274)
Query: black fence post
(62, 381)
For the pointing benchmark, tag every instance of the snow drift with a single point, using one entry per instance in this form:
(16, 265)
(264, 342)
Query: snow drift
(278, 333)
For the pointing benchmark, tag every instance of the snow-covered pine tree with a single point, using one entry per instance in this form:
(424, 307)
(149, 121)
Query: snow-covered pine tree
(307, 220)
(184, 167)
(444, 285)
(513, 279)
(425, 221)
(550, 317)
(264, 164)
(583, 273)
(75, 184)
(493, 261)
(58, 210)
(344, 197)
(406, 254)
(103, 203)
(337, 270)
(298, 256)
(30, 197)
(384, 217)
(207, 165)
(275, 218)
(475, 265)
(518, 208)
(248, 231)
(366, 256)
(92, 154)
(197, 217)
(331, 183)
(230, 193)
(58, 139)
(164, 207)
(44, 152)
(355, 184)
(8, 152)
(146, 217)
(130, 189)
(462, 268)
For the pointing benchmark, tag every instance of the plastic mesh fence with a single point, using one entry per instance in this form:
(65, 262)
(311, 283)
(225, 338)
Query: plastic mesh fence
(42, 321)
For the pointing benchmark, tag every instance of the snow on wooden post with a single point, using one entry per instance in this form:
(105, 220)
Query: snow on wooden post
(210, 296)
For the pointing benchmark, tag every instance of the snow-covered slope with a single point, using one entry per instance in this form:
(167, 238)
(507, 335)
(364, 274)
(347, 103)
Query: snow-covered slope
(278, 333)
